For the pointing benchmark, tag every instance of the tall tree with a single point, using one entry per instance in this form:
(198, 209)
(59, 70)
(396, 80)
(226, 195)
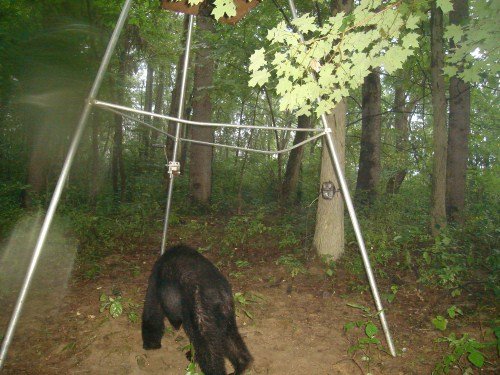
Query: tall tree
(176, 93)
(329, 230)
(369, 156)
(118, 176)
(148, 107)
(94, 160)
(458, 130)
(160, 91)
(291, 179)
(200, 163)
(438, 207)
(402, 127)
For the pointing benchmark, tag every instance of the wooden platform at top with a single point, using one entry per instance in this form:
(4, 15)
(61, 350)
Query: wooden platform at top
(242, 8)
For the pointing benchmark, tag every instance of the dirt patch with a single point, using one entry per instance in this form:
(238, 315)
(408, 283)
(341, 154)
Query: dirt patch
(293, 327)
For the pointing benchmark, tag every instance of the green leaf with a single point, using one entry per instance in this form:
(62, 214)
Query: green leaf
(412, 22)
(390, 297)
(349, 326)
(224, 7)
(445, 5)
(450, 70)
(284, 85)
(305, 23)
(259, 78)
(440, 322)
(410, 40)
(369, 340)
(454, 32)
(257, 60)
(393, 58)
(453, 311)
(116, 309)
(248, 313)
(476, 358)
(361, 307)
(133, 317)
(371, 329)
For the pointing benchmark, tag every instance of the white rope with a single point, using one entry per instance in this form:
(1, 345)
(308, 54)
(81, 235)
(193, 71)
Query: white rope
(199, 123)
(312, 138)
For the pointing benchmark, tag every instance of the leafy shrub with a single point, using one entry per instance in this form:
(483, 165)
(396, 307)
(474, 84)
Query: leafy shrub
(293, 265)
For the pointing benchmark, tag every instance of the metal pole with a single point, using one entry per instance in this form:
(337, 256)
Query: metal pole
(354, 220)
(177, 130)
(60, 184)
(359, 236)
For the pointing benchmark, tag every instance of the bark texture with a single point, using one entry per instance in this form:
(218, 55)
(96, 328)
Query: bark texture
(160, 90)
(292, 171)
(438, 207)
(94, 161)
(369, 157)
(176, 93)
(402, 127)
(148, 107)
(200, 163)
(329, 232)
(458, 131)
(118, 176)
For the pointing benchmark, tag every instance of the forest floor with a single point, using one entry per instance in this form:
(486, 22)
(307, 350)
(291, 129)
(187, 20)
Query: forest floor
(291, 325)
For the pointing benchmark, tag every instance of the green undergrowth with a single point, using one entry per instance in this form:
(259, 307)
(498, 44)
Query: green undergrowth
(111, 229)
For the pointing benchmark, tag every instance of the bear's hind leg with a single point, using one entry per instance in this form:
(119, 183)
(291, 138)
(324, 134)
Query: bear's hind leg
(207, 342)
(171, 302)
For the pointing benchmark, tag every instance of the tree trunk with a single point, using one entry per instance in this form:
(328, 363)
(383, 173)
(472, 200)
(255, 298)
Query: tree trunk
(438, 207)
(401, 125)
(94, 161)
(291, 179)
(279, 144)
(458, 131)
(160, 89)
(148, 107)
(117, 165)
(242, 173)
(238, 137)
(176, 93)
(200, 163)
(369, 157)
(329, 232)
(186, 132)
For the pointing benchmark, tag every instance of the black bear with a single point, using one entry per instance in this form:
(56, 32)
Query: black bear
(188, 289)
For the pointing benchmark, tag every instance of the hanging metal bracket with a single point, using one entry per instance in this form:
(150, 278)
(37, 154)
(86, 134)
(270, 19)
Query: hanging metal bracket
(174, 168)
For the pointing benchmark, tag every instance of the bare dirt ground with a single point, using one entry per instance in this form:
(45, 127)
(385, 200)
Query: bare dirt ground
(290, 326)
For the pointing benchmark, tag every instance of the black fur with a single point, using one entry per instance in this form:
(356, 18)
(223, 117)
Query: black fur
(188, 289)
